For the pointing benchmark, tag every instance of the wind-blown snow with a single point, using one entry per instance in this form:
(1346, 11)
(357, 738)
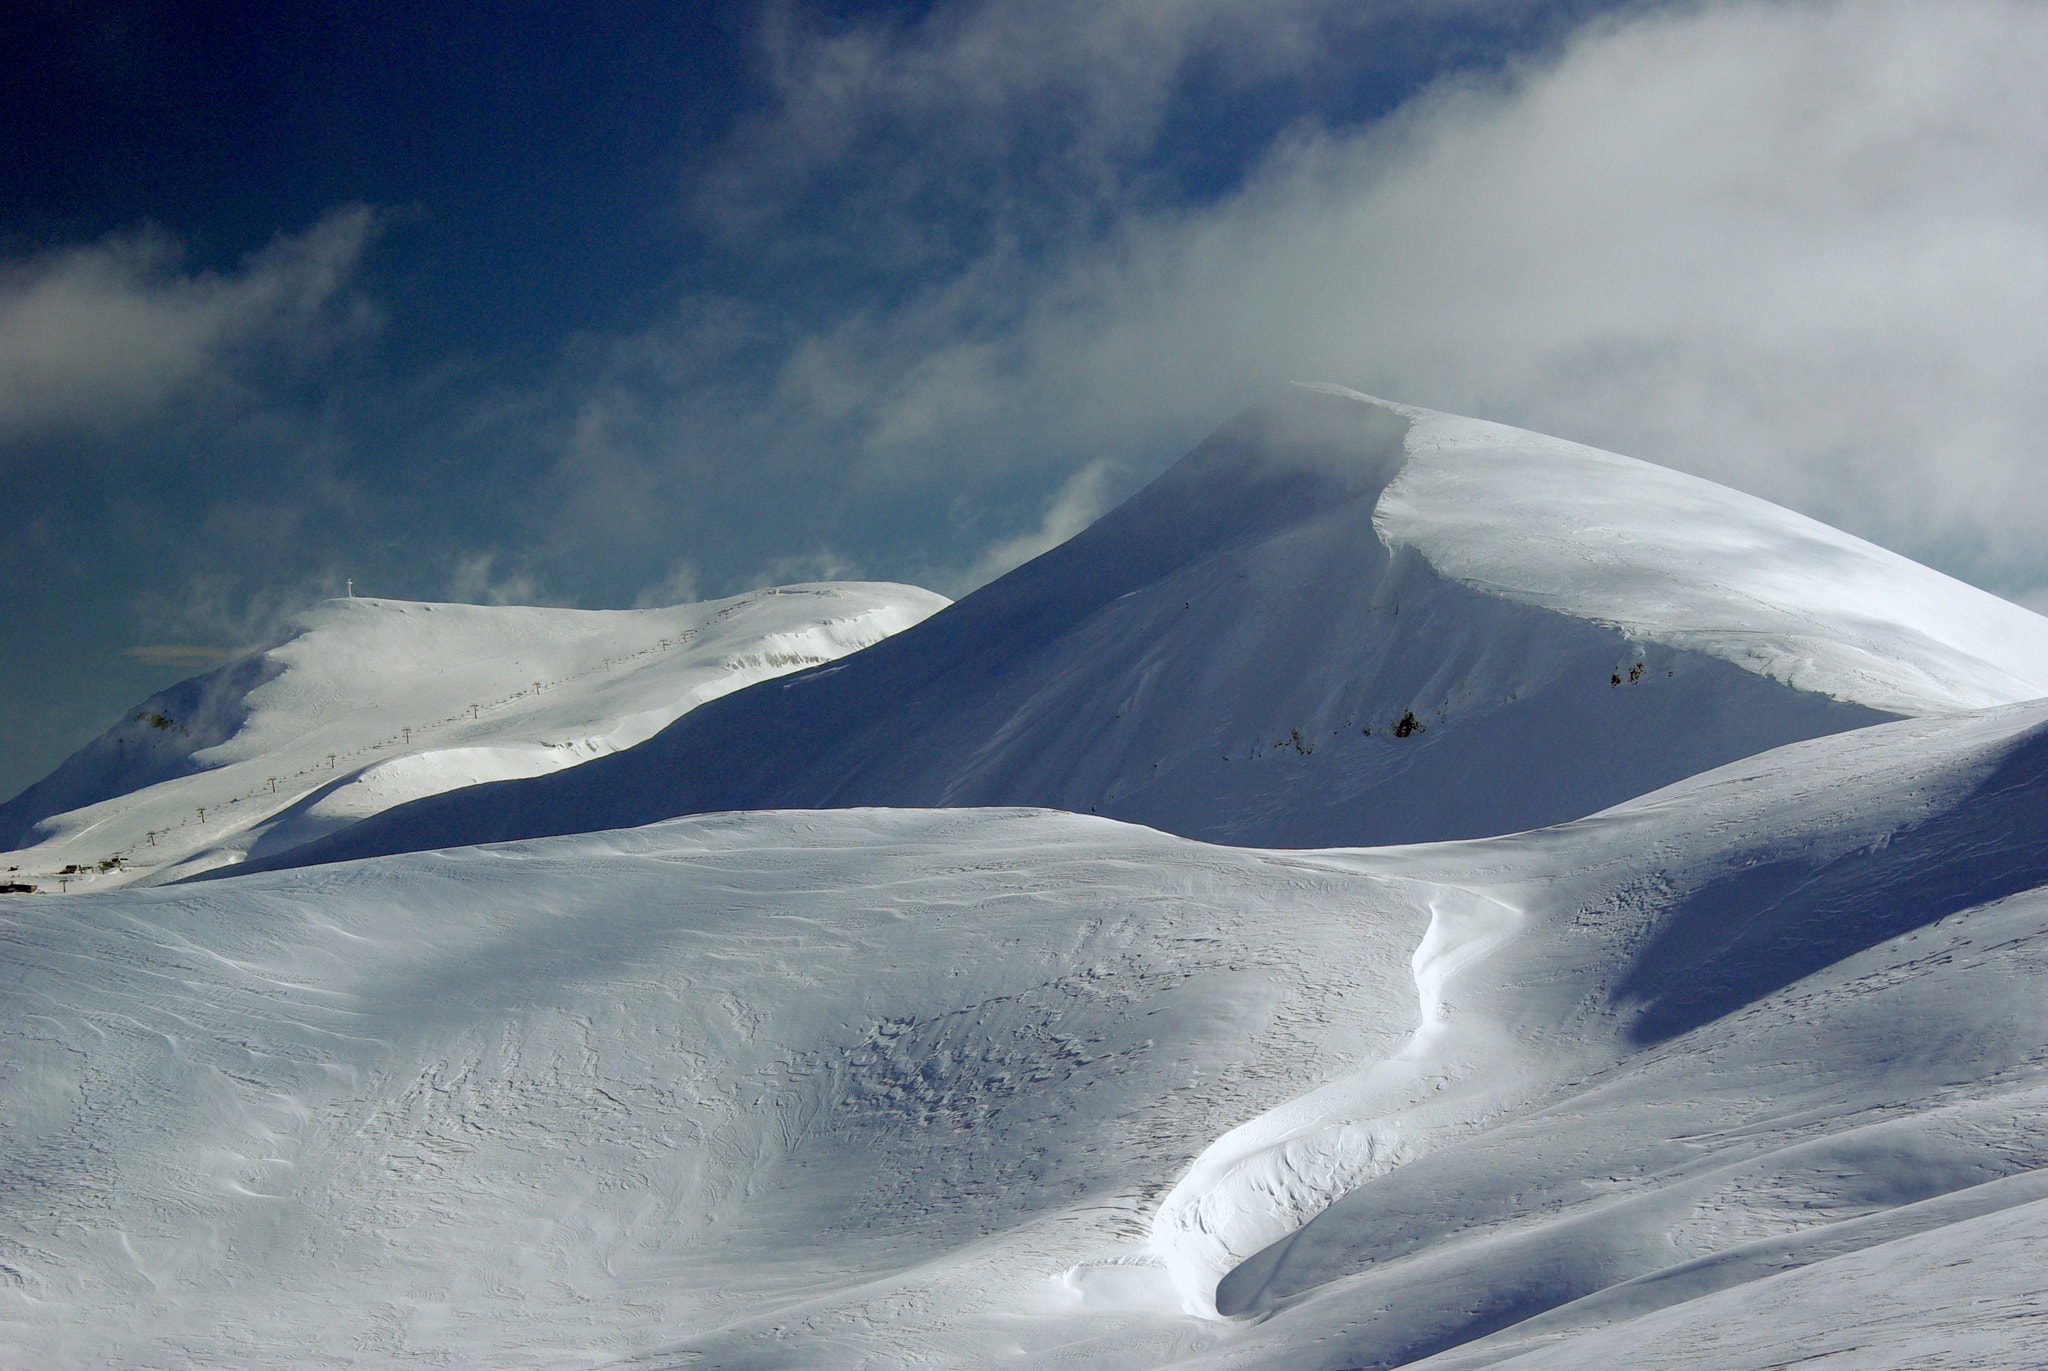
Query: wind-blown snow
(1337, 621)
(372, 703)
(1685, 918)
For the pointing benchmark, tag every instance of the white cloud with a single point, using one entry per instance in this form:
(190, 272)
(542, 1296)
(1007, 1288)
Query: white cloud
(822, 565)
(1798, 247)
(93, 337)
(983, 129)
(218, 611)
(894, 120)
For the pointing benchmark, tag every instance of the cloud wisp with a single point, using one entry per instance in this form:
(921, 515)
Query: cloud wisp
(99, 336)
(1080, 502)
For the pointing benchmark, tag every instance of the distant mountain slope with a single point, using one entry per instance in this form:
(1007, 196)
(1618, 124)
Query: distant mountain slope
(371, 703)
(1337, 621)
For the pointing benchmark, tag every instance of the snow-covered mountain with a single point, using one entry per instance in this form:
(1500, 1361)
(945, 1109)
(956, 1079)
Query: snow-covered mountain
(371, 703)
(1742, 1065)
(1695, 1077)
(1337, 621)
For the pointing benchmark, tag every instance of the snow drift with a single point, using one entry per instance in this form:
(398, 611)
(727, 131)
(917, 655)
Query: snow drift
(1661, 968)
(1337, 621)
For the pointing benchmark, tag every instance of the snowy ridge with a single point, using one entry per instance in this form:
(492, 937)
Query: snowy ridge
(1336, 622)
(1668, 558)
(371, 703)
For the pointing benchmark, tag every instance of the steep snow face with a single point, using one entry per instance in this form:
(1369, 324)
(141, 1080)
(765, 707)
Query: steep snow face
(1337, 621)
(1670, 559)
(372, 703)
(912, 1087)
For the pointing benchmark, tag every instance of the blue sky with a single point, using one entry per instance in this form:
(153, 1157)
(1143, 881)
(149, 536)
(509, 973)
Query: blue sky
(624, 304)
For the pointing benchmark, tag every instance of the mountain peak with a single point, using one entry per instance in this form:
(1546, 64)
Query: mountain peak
(1337, 621)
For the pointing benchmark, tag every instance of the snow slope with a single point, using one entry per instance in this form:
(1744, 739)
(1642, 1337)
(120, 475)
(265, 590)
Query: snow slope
(1336, 621)
(887, 1088)
(1670, 559)
(1696, 1019)
(372, 703)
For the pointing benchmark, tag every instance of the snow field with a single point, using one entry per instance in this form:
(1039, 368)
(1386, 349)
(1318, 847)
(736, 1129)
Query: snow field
(1965, 1294)
(1743, 1066)
(871, 1087)
(1743, 1019)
